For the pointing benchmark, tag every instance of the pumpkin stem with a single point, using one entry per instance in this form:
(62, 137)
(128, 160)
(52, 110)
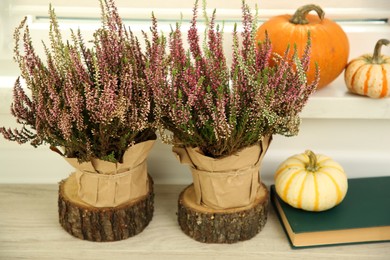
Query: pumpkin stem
(312, 165)
(377, 56)
(300, 14)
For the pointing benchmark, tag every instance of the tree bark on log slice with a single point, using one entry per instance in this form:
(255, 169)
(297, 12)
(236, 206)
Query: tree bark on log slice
(222, 226)
(102, 224)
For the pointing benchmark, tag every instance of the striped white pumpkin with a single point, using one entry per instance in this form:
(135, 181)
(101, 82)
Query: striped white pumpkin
(369, 75)
(311, 182)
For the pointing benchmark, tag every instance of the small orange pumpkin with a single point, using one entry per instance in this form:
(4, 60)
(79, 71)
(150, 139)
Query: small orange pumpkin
(369, 75)
(330, 46)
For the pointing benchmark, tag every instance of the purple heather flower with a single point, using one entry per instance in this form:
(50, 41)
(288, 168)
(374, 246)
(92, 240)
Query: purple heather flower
(222, 110)
(94, 102)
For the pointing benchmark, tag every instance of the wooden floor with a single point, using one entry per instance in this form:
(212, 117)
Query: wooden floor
(29, 229)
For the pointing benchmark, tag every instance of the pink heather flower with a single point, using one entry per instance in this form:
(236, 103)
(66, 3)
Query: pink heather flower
(222, 110)
(94, 102)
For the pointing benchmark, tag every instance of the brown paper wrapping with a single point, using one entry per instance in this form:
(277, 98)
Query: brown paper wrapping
(106, 184)
(229, 182)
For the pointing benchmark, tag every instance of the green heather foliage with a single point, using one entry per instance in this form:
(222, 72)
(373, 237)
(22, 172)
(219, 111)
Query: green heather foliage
(91, 102)
(221, 110)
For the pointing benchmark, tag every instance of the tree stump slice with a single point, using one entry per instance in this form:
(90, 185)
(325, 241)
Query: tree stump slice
(102, 224)
(222, 226)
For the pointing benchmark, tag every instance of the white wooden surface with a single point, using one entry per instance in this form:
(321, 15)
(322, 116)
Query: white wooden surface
(29, 229)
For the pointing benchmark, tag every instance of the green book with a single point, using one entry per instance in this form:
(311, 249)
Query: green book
(363, 216)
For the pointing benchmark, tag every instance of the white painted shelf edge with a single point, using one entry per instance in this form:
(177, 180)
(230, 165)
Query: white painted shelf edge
(331, 102)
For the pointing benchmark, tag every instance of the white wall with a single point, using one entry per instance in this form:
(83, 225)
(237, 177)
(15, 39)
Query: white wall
(354, 130)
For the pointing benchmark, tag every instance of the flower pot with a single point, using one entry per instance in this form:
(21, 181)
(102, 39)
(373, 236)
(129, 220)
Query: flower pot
(105, 201)
(227, 202)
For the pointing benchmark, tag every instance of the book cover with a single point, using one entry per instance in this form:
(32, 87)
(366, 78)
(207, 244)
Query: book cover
(363, 216)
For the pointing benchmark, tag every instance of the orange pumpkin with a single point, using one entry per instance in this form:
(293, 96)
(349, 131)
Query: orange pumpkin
(330, 46)
(369, 75)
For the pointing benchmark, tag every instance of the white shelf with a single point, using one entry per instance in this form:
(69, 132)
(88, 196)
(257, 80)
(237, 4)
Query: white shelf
(335, 102)
(331, 102)
(351, 129)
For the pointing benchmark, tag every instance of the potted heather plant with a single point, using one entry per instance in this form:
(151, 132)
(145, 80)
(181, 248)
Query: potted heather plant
(93, 106)
(222, 121)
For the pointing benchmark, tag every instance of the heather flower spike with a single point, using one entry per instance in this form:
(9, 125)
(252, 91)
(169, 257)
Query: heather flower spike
(91, 102)
(220, 109)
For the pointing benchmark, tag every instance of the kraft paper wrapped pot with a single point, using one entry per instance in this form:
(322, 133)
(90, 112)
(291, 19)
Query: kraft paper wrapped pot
(101, 194)
(222, 190)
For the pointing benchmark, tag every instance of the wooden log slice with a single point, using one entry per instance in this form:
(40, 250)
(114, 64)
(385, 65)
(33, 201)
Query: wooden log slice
(222, 226)
(102, 224)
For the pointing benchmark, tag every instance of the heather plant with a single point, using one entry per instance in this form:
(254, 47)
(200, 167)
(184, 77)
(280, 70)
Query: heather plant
(222, 110)
(90, 101)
